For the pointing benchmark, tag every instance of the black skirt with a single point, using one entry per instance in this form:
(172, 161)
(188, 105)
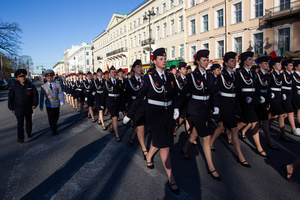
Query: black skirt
(276, 108)
(248, 114)
(262, 112)
(99, 102)
(288, 104)
(113, 106)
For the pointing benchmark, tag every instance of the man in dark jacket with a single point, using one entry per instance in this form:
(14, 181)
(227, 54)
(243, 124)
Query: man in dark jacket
(22, 100)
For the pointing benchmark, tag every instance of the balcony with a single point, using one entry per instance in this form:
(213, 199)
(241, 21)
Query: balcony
(124, 49)
(146, 42)
(282, 12)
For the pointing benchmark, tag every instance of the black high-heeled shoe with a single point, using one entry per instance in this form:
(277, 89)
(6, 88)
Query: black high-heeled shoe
(244, 164)
(175, 191)
(273, 147)
(150, 165)
(218, 178)
(260, 153)
(286, 173)
(144, 154)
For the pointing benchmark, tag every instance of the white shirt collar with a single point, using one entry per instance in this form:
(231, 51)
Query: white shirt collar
(298, 73)
(288, 72)
(262, 71)
(183, 77)
(230, 73)
(248, 70)
(137, 78)
(161, 73)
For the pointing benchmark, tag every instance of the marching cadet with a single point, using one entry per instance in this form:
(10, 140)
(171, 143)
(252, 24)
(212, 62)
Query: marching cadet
(139, 119)
(160, 90)
(89, 94)
(246, 82)
(201, 85)
(113, 95)
(277, 110)
(54, 98)
(287, 96)
(216, 69)
(22, 100)
(226, 87)
(173, 71)
(181, 81)
(262, 108)
(124, 87)
(80, 93)
(296, 89)
(99, 100)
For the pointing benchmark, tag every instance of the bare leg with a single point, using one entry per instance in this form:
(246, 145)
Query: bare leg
(281, 124)
(179, 122)
(207, 152)
(217, 133)
(150, 154)
(76, 104)
(190, 140)
(291, 167)
(265, 127)
(166, 160)
(141, 137)
(291, 120)
(255, 135)
(298, 116)
(244, 130)
(115, 125)
(236, 143)
(91, 112)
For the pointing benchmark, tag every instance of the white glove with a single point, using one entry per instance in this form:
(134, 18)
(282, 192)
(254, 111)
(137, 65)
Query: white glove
(126, 120)
(284, 97)
(61, 103)
(85, 99)
(120, 114)
(102, 107)
(248, 99)
(272, 95)
(262, 99)
(216, 111)
(93, 93)
(41, 109)
(298, 92)
(176, 114)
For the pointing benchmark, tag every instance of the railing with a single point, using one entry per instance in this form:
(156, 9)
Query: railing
(285, 7)
(147, 41)
(124, 49)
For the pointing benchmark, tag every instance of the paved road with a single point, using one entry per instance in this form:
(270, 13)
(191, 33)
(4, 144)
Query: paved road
(85, 162)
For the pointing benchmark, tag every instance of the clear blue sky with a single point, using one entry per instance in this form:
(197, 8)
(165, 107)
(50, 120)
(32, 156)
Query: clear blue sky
(51, 26)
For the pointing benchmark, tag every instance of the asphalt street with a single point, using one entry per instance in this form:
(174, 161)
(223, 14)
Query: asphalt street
(85, 162)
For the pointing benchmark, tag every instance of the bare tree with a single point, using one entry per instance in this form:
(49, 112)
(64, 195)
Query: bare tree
(9, 37)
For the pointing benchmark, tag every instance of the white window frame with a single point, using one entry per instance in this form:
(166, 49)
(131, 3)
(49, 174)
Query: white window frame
(204, 42)
(173, 51)
(164, 30)
(216, 46)
(216, 9)
(233, 18)
(233, 36)
(253, 39)
(191, 3)
(157, 33)
(190, 51)
(202, 21)
(190, 27)
(252, 9)
(164, 7)
(180, 24)
(172, 4)
(181, 48)
(276, 35)
(172, 27)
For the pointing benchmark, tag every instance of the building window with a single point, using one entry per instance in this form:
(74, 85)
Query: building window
(173, 51)
(87, 61)
(238, 12)
(134, 24)
(164, 8)
(130, 26)
(139, 21)
(125, 44)
(258, 43)
(284, 39)
(130, 42)
(165, 30)
(124, 29)
(285, 4)
(220, 18)
(193, 27)
(193, 52)
(259, 8)
(171, 4)
(139, 39)
(87, 53)
(144, 35)
(172, 27)
(157, 11)
(134, 41)
(192, 3)
(181, 51)
(180, 24)
(120, 31)
(205, 46)
(180, 2)
(238, 45)
(205, 23)
(157, 33)
(220, 48)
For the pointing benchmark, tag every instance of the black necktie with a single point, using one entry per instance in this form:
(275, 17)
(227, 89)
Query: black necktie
(163, 77)
(139, 80)
(204, 76)
(50, 86)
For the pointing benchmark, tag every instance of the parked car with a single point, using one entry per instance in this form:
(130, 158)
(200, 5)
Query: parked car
(3, 85)
(11, 81)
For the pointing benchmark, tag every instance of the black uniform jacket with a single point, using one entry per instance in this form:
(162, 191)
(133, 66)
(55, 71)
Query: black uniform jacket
(275, 86)
(22, 98)
(199, 86)
(296, 87)
(155, 88)
(116, 89)
(263, 85)
(89, 88)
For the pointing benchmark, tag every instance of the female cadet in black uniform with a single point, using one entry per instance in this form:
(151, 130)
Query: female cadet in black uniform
(226, 87)
(89, 95)
(287, 96)
(246, 82)
(134, 85)
(262, 108)
(201, 85)
(159, 87)
(296, 89)
(99, 100)
(113, 93)
(80, 93)
(277, 110)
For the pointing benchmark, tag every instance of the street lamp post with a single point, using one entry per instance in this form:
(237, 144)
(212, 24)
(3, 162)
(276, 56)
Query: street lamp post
(147, 16)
